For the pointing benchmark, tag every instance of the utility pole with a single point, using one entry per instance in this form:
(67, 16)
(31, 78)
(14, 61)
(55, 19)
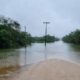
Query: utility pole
(46, 23)
(25, 49)
(25, 33)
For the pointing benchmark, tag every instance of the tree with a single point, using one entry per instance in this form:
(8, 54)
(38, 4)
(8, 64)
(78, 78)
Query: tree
(10, 34)
(73, 37)
(42, 39)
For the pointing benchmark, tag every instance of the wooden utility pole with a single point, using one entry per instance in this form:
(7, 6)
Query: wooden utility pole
(25, 50)
(46, 23)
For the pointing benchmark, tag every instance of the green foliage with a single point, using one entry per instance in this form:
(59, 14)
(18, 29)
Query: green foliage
(10, 34)
(73, 37)
(47, 38)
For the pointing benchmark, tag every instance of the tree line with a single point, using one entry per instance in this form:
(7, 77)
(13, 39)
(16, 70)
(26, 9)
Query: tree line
(46, 38)
(11, 35)
(73, 37)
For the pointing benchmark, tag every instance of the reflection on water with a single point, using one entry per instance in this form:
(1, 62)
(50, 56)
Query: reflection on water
(37, 52)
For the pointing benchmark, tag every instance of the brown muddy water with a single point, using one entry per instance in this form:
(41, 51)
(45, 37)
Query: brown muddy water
(13, 59)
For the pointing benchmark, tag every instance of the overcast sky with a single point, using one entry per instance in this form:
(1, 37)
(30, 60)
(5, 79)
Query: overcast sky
(63, 15)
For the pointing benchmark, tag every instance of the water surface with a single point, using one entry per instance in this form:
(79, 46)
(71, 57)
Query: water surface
(38, 52)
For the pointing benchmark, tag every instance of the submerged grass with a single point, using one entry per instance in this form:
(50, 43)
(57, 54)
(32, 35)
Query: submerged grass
(6, 70)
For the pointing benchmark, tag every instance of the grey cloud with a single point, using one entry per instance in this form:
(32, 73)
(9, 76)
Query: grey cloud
(64, 15)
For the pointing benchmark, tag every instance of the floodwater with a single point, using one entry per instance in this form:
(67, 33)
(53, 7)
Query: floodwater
(38, 52)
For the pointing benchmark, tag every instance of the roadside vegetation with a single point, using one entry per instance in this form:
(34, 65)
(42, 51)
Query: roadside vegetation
(47, 38)
(10, 34)
(73, 37)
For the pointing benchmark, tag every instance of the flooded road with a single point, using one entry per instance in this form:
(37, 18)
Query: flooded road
(38, 52)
